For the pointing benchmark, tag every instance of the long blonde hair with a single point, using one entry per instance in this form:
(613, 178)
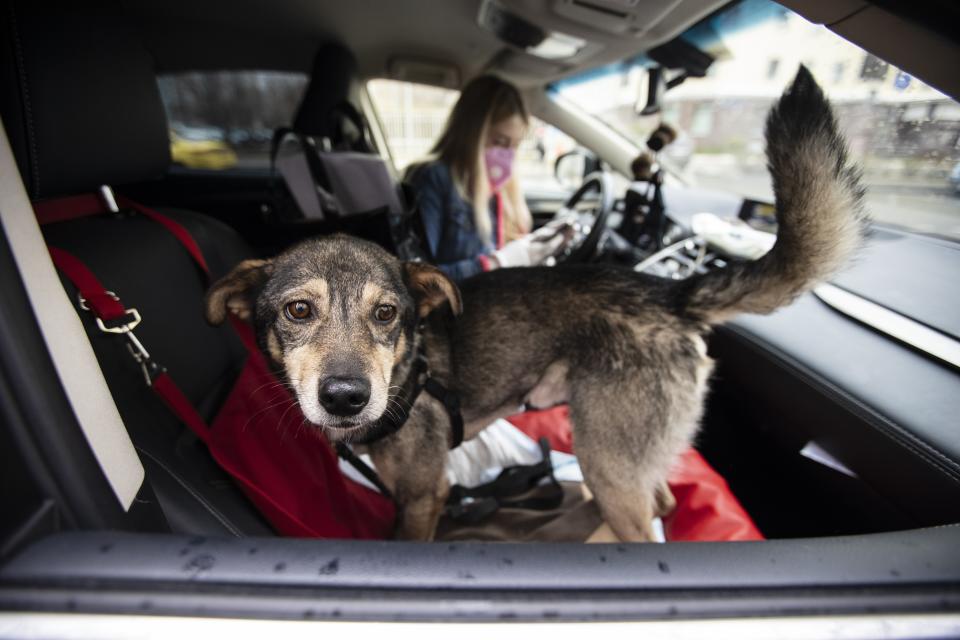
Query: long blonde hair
(484, 101)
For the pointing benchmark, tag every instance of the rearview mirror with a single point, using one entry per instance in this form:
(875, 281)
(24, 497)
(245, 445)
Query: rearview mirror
(651, 94)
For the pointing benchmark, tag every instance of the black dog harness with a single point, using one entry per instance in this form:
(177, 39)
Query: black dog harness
(470, 505)
(464, 505)
(418, 381)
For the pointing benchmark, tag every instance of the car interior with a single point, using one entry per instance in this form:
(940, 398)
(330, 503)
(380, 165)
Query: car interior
(143, 520)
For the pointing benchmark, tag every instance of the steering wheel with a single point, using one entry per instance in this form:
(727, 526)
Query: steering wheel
(588, 226)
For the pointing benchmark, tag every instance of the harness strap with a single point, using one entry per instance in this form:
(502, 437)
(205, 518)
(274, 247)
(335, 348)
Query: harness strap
(104, 304)
(69, 208)
(391, 422)
(180, 405)
(174, 227)
(451, 402)
(155, 375)
(469, 505)
(345, 452)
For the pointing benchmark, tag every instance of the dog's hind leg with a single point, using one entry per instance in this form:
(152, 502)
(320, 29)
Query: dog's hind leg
(629, 425)
(625, 500)
(666, 503)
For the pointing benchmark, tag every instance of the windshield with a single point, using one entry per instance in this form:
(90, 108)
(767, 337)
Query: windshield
(905, 134)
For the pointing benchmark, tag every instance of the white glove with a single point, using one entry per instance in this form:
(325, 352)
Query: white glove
(531, 249)
(563, 217)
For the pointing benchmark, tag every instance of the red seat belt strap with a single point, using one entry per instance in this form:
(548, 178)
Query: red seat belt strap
(180, 405)
(172, 226)
(106, 306)
(67, 208)
(61, 209)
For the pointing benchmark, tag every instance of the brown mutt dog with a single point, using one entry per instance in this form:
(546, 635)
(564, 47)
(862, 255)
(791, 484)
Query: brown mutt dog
(343, 321)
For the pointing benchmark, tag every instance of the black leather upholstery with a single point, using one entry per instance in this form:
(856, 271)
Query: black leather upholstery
(334, 68)
(912, 274)
(150, 271)
(885, 411)
(81, 106)
(87, 110)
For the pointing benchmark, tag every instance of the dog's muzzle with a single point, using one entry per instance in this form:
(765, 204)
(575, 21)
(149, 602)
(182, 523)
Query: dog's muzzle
(344, 396)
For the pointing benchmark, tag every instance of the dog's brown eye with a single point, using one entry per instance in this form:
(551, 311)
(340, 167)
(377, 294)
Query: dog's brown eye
(385, 313)
(298, 310)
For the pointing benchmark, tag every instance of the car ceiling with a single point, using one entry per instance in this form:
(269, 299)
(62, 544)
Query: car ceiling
(283, 34)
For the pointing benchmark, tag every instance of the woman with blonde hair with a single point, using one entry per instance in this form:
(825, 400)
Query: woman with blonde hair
(471, 204)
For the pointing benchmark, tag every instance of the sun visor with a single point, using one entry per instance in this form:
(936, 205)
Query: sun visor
(436, 74)
(524, 65)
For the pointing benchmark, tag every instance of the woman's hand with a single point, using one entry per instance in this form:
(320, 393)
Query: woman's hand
(532, 249)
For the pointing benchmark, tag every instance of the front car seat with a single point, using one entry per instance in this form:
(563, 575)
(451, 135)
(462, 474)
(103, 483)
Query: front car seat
(81, 108)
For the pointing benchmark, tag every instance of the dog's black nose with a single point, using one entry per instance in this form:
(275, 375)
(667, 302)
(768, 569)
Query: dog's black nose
(344, 396)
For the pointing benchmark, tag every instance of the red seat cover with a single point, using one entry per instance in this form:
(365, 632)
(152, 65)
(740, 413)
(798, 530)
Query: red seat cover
(706, 509)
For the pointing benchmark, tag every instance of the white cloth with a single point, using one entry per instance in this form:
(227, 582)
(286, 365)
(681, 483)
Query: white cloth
(500, 445)
(481, 460)
(732, 236)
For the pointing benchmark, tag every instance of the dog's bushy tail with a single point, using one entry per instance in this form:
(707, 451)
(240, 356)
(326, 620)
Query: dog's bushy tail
(820, 216)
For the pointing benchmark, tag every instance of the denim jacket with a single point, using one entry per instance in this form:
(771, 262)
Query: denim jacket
(448, 222)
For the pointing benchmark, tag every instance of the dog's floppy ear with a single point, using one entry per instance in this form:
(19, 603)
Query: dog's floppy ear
(236, 292)
(431, 288)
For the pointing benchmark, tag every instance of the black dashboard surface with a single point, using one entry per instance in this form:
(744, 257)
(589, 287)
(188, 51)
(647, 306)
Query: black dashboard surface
(885, 409)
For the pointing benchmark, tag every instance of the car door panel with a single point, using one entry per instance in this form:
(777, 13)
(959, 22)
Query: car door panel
(885, 411)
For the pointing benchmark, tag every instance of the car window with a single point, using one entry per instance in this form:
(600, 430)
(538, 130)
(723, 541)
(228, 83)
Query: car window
(225, 119)
(904, 133)
(413, 115)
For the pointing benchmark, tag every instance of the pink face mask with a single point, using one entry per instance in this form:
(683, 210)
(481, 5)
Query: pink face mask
(499, 161)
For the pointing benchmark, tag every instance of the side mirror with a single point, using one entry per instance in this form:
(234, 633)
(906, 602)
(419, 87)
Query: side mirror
(572, 167)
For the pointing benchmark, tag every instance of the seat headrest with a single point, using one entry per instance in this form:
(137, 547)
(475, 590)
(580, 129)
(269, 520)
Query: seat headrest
(334, 68)
(79, 98)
